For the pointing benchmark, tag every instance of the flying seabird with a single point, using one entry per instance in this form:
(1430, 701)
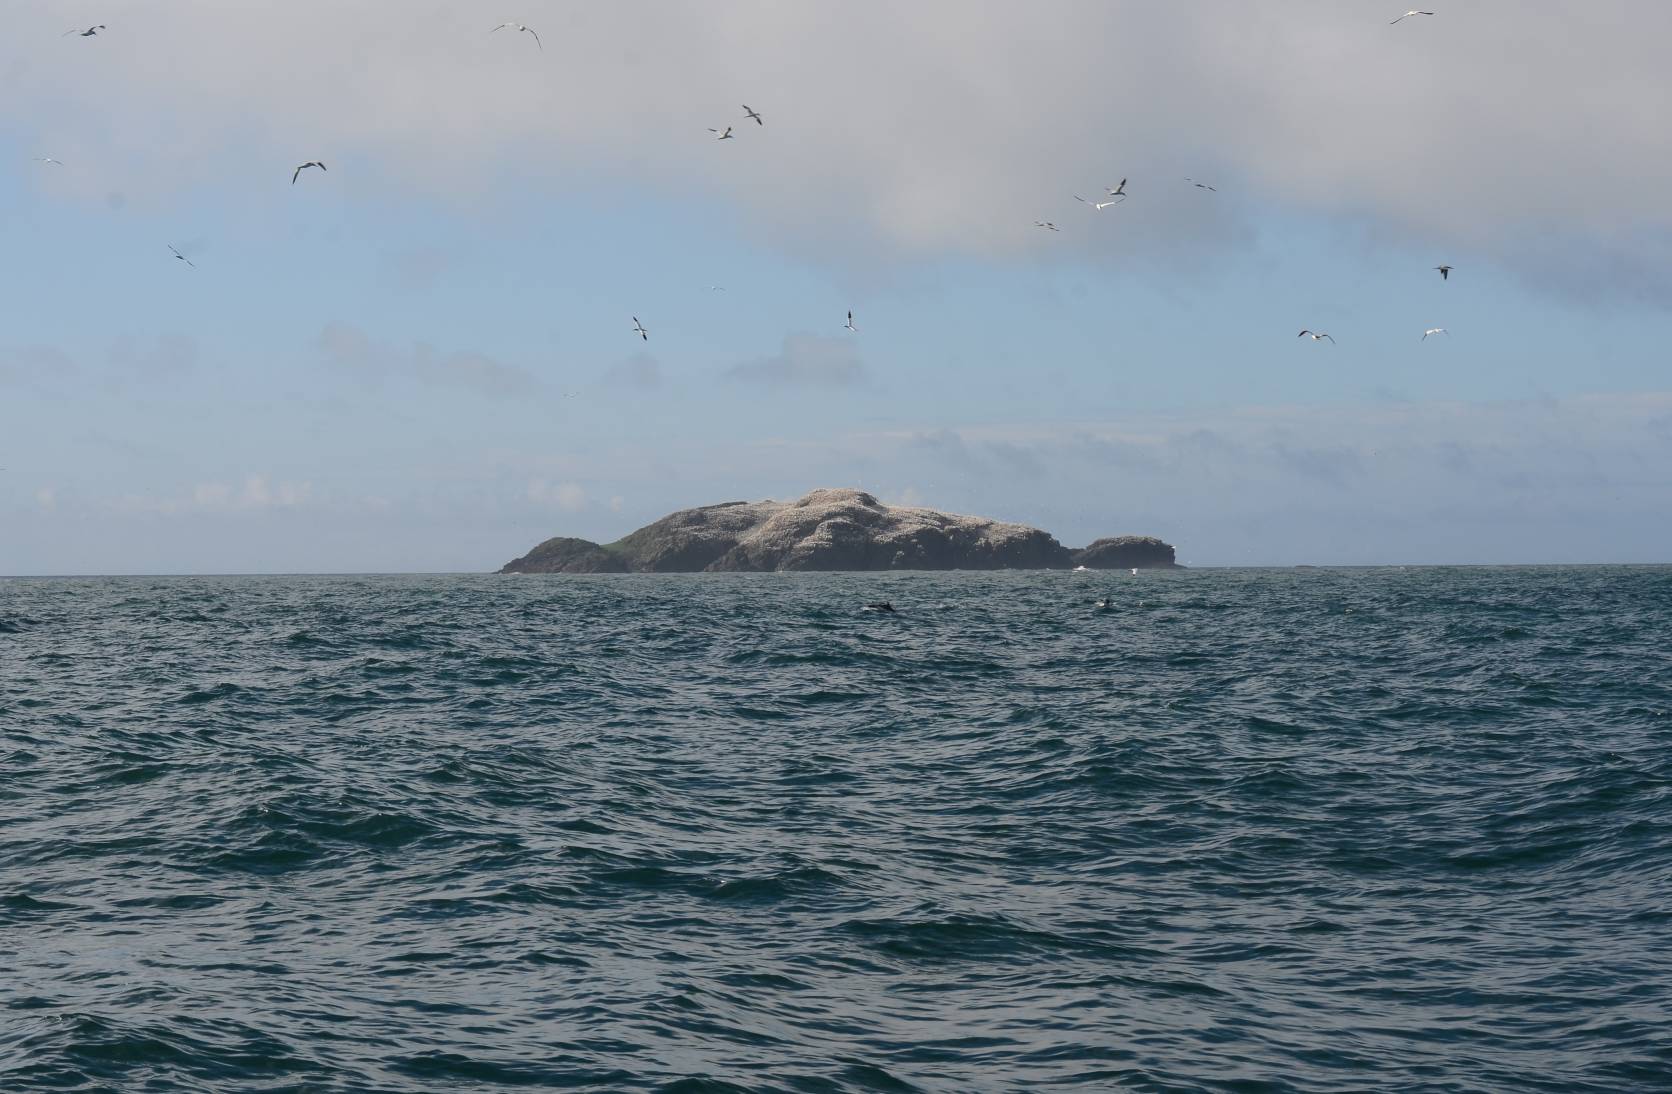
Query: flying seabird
(1445, 272)
(1095, 204)
(1408, 14)
(88, 33)
(1046, 225)
(1199, 185)
(716, 288)
(1315, 335)
(304, 167)
(1117, 191)
(520, 27)
(48, 159)
(726, 136)
(1433, 330)
(182, 257)
(752, 114)
(638, 326)
(850, 325)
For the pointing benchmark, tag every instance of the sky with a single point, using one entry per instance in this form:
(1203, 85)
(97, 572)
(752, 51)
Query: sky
(422, 358)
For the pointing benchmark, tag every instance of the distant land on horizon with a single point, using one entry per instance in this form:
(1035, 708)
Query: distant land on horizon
(832, 530)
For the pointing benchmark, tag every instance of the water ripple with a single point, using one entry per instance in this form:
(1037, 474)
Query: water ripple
(1252, 830)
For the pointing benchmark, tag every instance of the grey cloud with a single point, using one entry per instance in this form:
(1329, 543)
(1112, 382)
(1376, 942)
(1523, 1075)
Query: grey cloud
(640, 370)
(806, 359)
(165, 355)
(1430, 131)
(418, 269)
(350, 349)
(38, 368)
(1333, 464)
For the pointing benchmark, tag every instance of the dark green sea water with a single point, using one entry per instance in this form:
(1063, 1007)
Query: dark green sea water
(1250, 831)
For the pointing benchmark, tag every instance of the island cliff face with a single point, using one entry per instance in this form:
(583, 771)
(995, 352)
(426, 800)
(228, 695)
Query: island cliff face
(830, 530)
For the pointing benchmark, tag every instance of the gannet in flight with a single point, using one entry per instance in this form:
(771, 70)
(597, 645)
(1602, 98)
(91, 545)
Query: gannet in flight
(1445, 272)
(638, 326)
(182, 257)
(1095, 204)
(1315, 335)
(88, 33)
(752, 114)
(1046, 225)
(304, 167)
(850, 325)
(726, 136)
(1117, 191)
(1408, 14)
(520, 27)
(1199, 185)
(48, 159)
(1433, 330)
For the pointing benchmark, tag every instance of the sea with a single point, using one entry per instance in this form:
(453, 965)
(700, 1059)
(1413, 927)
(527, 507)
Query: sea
(1247, 830)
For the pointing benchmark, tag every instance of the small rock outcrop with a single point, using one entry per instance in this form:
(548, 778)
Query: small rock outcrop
(1125, 552)
(564, 555)
(841, 529)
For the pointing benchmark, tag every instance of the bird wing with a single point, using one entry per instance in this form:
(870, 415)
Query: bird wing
(1303, 334)
(296, 174)
(537, 41)
(500, 27)
(1327, 336)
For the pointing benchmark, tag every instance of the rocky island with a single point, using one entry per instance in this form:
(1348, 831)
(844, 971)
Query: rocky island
(831, 530)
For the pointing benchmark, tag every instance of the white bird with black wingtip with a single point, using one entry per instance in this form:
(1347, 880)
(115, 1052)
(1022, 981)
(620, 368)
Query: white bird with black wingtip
(1315, 335)
(518, 27)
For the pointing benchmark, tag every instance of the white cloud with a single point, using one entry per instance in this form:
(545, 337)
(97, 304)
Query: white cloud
(256, 494)
(567, 496)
